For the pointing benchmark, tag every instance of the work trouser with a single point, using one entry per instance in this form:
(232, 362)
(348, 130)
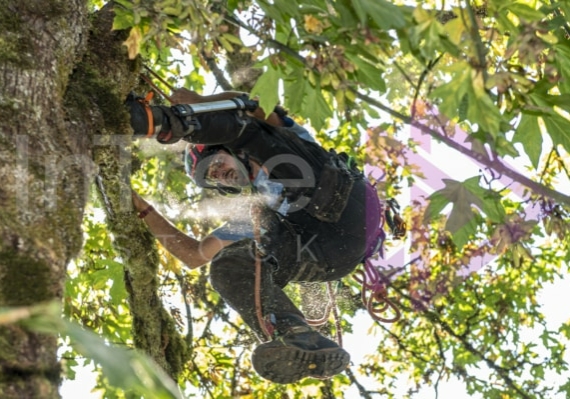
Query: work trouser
(294, 248)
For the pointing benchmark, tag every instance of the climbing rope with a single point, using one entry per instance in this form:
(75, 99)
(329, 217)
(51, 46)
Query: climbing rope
(155, 87)
(266, 326)
(374, 294)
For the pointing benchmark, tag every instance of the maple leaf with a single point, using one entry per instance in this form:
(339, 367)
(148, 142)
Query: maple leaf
(462, 195)
(133, 42)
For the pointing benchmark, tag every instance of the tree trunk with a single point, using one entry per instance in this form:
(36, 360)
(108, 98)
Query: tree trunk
(63, 81)
(106, 76)
(44, 174)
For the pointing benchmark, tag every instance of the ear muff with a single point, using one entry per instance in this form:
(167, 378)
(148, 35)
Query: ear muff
(192, 156)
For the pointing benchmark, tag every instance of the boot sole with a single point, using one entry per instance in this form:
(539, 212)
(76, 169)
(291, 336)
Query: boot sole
(285, 364)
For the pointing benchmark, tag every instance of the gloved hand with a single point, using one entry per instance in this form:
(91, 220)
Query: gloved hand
(142, 115)
(146, 120)
(172, 129)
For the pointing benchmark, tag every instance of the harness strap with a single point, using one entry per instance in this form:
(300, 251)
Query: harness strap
(145, 102)
(374, 292)
(266, 324)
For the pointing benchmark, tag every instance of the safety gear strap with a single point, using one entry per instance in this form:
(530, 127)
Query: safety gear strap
(146, 105)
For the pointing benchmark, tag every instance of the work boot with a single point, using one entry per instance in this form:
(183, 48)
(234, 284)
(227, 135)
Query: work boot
(298, 352)
(166, 127)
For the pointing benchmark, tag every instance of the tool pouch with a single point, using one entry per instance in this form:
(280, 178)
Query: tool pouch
(332, 192)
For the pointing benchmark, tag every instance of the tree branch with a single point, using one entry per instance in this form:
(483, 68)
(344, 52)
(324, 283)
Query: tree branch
(435, 319)
(494, 164)
(184, 292)
(363, 392)
(218, 73)
(492, 365)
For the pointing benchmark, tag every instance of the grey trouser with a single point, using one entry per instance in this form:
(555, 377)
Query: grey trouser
(295, 248)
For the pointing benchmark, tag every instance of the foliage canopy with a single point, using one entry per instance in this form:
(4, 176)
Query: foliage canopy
(384, 81)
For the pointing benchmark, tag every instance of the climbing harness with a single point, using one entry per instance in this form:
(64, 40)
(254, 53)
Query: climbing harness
(374, 284)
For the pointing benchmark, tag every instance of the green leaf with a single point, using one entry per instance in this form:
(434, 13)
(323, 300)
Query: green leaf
(117, 291)
(316, 108)
(481, 109)
(295, 87)
(463, 108)
(368, 74)
(461, 215)
(349, 14)
(463, 195)
(428, 34)
(546, 101)
(174, 11)
(386, 15)
(232, 39)
(123, 19)
(465, 82)
(287, 7)
(559, 130)
(359, 11)
(529, 135)
(524, 12)
(454, 30)
(280, 10)
(267, 88)
(490, 200)
(565, 329)
(452, 93)
(562, 60)
(232, 5)
(126, 369)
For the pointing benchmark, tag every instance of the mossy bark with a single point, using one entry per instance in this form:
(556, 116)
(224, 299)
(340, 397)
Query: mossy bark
(43, 172)
(154, 331)
(63, 79)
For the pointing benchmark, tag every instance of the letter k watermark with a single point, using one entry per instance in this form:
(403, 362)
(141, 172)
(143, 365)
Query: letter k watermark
(300, 248)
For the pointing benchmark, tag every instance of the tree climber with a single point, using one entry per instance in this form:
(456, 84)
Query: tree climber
(318, 218)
